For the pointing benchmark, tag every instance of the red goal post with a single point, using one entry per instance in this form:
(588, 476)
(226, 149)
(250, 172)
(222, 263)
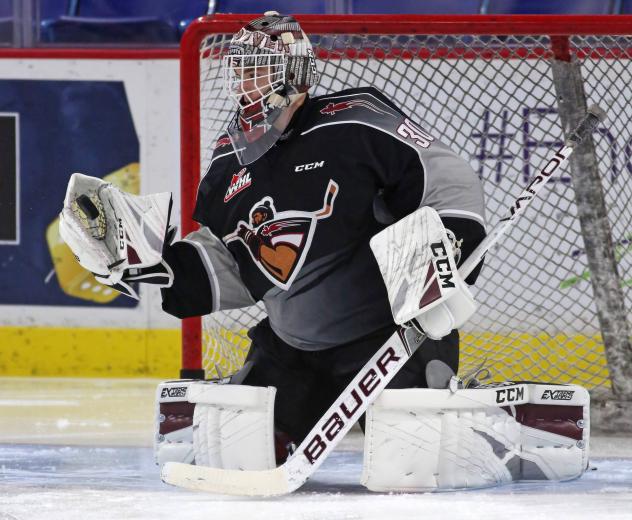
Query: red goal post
(555, 297)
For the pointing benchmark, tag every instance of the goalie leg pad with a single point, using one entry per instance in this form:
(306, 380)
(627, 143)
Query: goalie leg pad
(214, 424)
(173, 432)
(233, 426)
(427, 440)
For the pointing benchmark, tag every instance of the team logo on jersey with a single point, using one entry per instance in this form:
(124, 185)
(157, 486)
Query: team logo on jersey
(332, 108)
(222, 141)
(240, 181)
(278, 242)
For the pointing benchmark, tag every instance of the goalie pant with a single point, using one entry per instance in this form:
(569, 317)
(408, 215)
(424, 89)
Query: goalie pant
(308, 383)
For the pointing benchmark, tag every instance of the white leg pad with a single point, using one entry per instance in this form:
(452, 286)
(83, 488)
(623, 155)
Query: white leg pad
(233, 426)
(427, 439)
(173, 430)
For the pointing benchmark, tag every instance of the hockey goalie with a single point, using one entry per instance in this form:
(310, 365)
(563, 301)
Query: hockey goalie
(349, 221)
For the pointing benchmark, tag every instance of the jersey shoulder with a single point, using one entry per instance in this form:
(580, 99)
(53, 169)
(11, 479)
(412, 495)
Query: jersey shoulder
(223, 159)
(370, 94)
(221, 145)
(366, 105)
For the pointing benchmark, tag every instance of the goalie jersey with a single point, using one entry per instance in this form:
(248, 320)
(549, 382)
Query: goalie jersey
(292, 229)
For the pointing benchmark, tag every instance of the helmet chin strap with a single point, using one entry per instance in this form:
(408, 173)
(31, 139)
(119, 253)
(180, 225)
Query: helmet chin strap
(278, 100)
(254, 114)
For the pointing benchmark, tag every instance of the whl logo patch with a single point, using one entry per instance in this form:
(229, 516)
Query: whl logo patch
(558, 395)
(240, 181)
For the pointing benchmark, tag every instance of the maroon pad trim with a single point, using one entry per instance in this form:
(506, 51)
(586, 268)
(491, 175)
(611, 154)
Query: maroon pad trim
(178, 415)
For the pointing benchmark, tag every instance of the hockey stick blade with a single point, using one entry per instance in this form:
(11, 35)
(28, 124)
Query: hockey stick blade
(227, 481)
(370, 380)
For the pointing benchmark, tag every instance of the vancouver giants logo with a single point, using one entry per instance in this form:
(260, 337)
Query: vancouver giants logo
(278, 242)
(332, 108)
(240, 181)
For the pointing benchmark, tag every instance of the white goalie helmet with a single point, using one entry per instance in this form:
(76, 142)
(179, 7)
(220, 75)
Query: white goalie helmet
(270, 61)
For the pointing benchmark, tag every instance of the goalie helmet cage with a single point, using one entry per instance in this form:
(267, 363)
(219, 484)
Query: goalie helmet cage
(555, 294)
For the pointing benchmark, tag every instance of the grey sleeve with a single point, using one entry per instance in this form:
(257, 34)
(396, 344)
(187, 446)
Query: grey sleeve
(415, 168)
(451, 184)
(229, 292)
(206, 277)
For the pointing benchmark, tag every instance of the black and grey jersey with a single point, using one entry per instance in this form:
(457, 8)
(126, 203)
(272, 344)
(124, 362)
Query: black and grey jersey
(297, 221)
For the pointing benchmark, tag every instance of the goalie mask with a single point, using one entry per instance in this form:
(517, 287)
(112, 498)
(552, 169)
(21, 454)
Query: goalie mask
(269, 62)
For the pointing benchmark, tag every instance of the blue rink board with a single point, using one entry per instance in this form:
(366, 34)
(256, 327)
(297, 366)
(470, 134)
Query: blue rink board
(64, 127)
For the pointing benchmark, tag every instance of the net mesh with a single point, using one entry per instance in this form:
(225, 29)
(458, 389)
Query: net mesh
(492, 99)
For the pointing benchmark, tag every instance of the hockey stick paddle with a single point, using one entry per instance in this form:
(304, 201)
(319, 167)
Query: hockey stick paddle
(370, 380)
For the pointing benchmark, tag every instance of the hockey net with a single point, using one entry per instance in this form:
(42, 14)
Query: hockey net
(489, 89)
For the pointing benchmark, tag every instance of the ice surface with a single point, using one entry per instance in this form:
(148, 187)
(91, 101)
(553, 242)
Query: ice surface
(81, 482)
(73, 480)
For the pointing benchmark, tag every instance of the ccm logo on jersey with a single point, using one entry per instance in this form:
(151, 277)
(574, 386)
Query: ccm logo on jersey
(336, 421)
(240, 181)
(508, 395)
(558, 395)
(309, 166)
(442, 264)
(175, 391)
(410, 130)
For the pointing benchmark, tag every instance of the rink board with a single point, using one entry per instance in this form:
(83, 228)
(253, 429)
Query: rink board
(79, 352)
(75, 352)
(98, 339)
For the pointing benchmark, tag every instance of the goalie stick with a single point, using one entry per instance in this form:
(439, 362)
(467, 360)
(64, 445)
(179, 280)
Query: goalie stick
(369, 381)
